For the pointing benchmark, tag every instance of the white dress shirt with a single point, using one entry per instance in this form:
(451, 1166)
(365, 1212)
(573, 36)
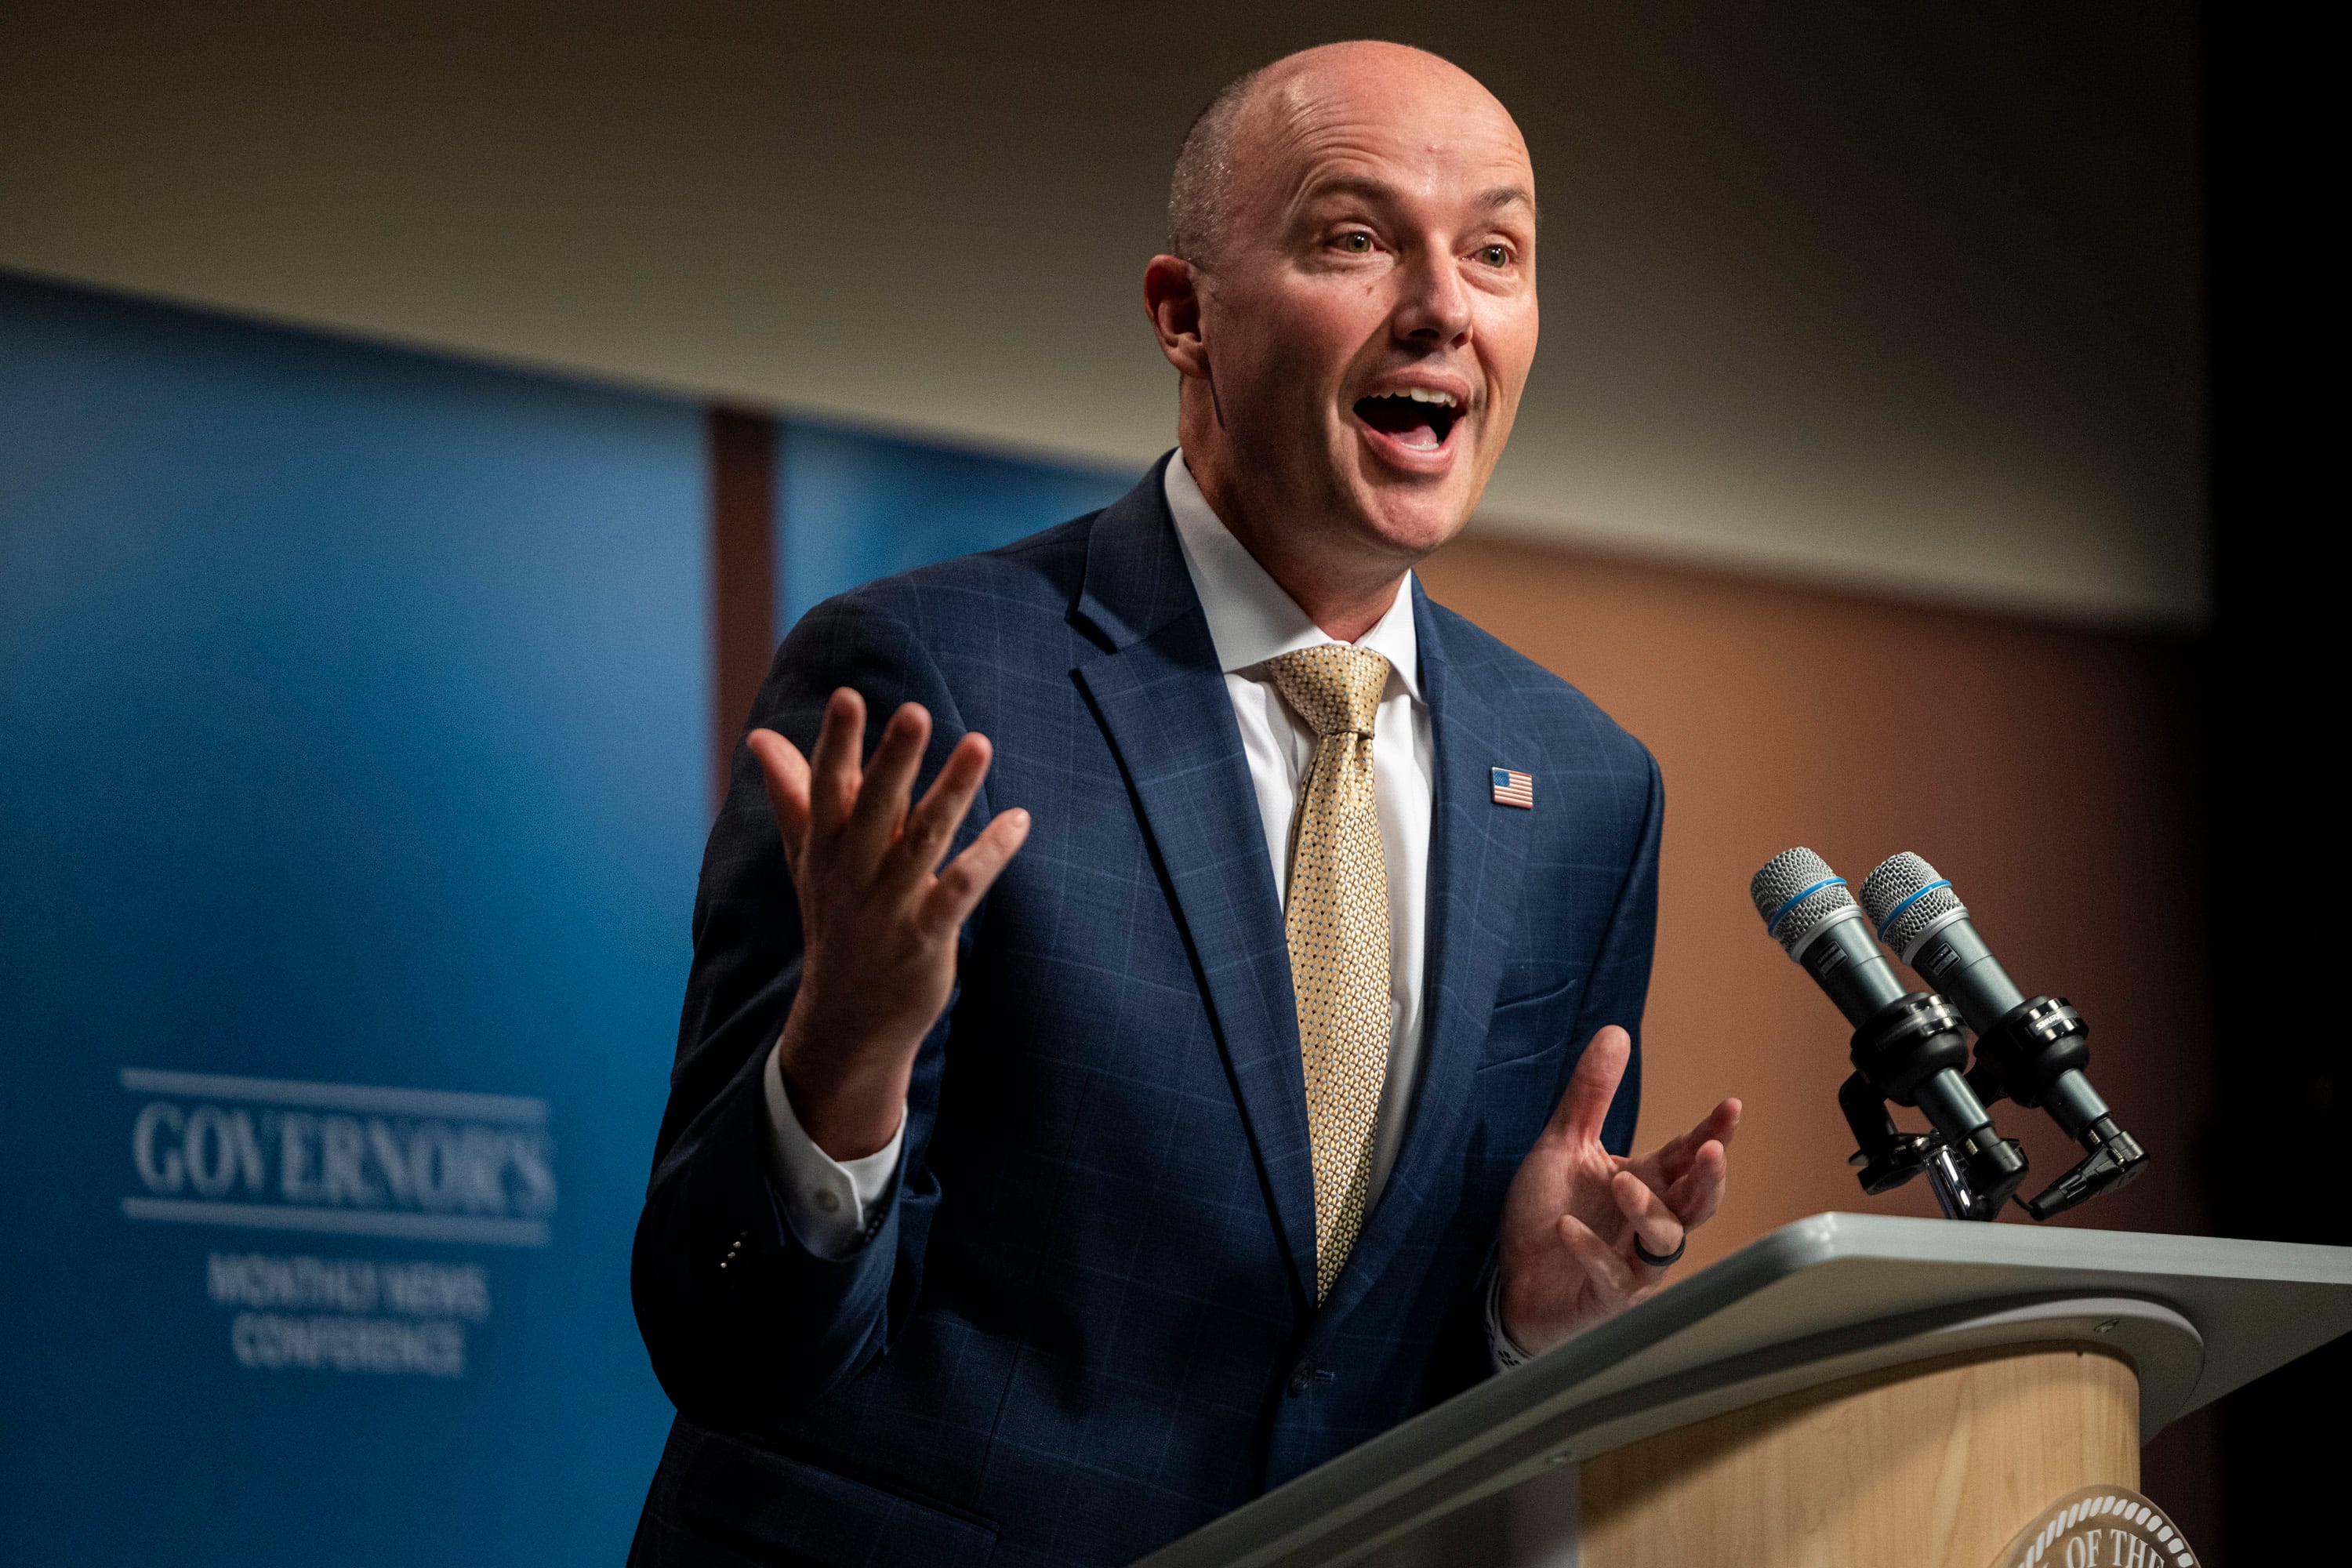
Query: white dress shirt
(830, 1203)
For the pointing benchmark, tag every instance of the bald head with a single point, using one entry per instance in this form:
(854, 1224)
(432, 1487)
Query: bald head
(1348, 297)
(1231, 134)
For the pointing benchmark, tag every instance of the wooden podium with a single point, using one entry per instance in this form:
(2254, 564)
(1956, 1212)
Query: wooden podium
(1848, 1389)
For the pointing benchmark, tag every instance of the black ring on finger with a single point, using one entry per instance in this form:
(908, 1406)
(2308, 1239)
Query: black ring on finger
(1652, 1259)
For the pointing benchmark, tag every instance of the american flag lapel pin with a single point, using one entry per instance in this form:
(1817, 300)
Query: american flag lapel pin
(1514, 789)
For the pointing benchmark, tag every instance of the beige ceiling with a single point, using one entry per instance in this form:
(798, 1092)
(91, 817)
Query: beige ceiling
(1847, 293)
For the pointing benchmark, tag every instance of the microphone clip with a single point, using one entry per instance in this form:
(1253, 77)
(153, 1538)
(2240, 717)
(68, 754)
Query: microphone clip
(2116, 1158)
(1912, 1053)
(2035, 1055)
(1885, 1156)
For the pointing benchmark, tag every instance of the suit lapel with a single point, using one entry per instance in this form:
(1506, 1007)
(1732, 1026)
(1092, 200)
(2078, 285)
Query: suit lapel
(1478, 857)
(1162, 700)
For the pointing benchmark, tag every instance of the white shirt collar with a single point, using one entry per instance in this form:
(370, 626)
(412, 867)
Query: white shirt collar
(1251, 619)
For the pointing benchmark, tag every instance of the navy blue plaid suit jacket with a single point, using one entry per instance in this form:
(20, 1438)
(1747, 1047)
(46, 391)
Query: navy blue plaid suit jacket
(1086, 1322)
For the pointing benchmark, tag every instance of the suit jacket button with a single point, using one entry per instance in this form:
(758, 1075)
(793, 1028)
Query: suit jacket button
(1301, 1378)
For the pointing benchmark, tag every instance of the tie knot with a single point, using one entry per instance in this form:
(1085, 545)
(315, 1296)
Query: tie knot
(1335, 687)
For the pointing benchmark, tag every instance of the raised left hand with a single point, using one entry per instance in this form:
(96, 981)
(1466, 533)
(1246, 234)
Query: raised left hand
(1575, 1210)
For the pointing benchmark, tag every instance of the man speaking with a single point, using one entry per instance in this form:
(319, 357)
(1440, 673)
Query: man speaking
(1164, 991)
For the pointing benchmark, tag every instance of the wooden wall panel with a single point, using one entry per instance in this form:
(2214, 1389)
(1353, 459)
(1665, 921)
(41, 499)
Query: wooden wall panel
(742, 575)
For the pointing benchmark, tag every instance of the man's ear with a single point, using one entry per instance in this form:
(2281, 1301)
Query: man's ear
(1172, 297)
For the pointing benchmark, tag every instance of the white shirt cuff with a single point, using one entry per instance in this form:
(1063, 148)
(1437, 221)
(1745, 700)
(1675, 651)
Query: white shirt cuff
(1501, 1347)
(834, 1206)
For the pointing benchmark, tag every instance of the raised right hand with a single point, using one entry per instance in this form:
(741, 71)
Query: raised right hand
(878, 915)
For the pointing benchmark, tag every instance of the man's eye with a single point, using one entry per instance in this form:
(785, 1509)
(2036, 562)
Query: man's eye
(1355, 243)
(1496, 256)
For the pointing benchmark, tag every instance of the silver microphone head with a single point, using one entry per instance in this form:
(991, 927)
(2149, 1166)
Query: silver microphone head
(1796, 892)
(1909, 902)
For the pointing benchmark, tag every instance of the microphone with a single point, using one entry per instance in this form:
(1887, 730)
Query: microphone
(2033, 1051)
(1907, 1046)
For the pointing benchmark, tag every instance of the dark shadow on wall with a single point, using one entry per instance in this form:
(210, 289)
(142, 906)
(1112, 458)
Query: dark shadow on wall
(2274, 826)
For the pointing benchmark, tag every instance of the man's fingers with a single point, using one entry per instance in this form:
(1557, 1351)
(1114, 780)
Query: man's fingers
(786, 773)
(833, 765)
(1584, 1104)
(969, 874)
(1660, 1228)
(889, 777)
(931, 825)
(1716, 1126)
(1671, 1160)
(1698, 1193)
(1612, 1275)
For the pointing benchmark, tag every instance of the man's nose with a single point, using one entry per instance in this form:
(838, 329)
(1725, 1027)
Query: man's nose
(1435, 307)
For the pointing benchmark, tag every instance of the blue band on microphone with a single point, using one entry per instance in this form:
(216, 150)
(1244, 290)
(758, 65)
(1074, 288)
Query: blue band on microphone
(1896, 912)
(1774, 918)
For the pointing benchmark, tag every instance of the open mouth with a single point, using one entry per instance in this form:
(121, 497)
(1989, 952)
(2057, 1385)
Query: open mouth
(1418, 420)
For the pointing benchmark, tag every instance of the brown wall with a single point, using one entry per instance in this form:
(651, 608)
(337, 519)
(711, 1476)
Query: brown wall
(742, 448)
(2048, 771)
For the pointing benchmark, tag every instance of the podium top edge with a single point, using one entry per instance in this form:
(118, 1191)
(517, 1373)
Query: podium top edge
(1836, 1236)
(1799, 1298)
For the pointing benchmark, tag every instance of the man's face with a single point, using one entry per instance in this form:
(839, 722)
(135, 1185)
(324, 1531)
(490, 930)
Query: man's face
(1370, 318)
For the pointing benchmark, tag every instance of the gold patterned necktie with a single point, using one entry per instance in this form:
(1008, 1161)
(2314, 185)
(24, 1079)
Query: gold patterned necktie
(1336, 920)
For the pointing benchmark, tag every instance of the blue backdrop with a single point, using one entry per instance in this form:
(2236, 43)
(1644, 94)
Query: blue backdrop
(352, 706)
(352, 737)
(853, 507)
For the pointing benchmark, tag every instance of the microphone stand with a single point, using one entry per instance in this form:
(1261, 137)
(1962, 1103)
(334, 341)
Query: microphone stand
(1909, 1054)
